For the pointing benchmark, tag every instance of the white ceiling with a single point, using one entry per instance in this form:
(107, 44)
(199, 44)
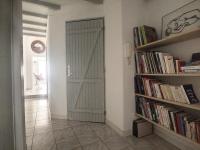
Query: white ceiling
(34, 8)
(30, 7)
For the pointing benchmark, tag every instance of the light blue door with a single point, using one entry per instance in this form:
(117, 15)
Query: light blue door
(85, 70)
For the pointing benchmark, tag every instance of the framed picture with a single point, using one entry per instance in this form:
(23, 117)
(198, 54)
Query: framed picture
(182, 19)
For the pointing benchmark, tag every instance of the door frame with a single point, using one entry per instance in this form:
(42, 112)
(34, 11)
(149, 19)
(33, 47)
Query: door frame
(89, 19)
(17, 77)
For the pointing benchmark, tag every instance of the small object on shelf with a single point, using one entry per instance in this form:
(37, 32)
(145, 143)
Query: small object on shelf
(179, 64)
(144, 35)
(195, 59)
(191, 68)
(142, 128)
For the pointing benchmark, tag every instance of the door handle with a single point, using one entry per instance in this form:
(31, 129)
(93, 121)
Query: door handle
(69, 74)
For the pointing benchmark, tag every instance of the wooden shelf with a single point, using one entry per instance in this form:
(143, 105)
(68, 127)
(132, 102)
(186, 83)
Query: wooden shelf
(172, 39)
(172, 75)
(190, 106)
(168, 130)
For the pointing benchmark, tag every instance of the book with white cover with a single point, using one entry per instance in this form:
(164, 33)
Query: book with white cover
(162, 61)
(190, 67)
(175, 93)
(169, 62)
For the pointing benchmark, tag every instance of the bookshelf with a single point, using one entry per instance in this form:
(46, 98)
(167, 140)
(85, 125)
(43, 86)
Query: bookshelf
(189, 35)
(190, 106)
(168, 130)
(173, 75)
(172, 39)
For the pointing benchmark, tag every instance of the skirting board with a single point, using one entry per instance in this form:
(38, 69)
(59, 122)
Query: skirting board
(180, 143)
(55, 116)
(119, 131)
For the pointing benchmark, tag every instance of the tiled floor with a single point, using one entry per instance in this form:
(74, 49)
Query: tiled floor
(44, 133)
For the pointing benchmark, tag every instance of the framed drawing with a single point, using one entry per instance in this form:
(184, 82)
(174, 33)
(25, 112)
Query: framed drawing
(182, 19)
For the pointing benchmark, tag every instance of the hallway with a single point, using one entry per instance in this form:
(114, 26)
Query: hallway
(44, 133)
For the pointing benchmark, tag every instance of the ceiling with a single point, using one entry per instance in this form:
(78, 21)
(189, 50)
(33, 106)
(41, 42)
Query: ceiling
(35, 16)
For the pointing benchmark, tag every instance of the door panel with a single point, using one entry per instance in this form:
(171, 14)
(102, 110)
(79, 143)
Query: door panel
(85, 70)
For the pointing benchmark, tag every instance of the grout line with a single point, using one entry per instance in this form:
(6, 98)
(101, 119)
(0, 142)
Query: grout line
(100, 138)
(76, 136)
(33, 131)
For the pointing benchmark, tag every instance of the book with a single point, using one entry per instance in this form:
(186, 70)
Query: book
(178, 65)
(174, 119)
(143, 35)
(156, 63)
(150, 33)
(155, 88)
(189, 91)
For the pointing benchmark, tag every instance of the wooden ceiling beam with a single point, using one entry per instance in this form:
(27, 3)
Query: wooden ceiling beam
(34, 23)
(34, 29)
(28, 13)
(33, 34)
(45, 4)
(96, 1)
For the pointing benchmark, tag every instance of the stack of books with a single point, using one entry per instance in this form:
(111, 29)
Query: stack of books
(191, 69)
(144, 34)
(169, 117)
(157, 63)
(154, 88)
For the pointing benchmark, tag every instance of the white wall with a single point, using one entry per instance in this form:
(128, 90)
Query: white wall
(57, 51)
(132, 15)
(114, 63)
(120, 17)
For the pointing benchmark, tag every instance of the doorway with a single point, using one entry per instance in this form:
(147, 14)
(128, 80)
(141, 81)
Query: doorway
(35, 76)
(85, 70)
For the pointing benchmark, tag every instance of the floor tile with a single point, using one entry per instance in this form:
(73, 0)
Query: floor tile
(76, 123)
(44, 133)
(70, 144)
(43, 129)
(82, 130)
(48, 146)
(86, 139)
(138, 141)
(116, 143)
(63, 134)
(95, 146)
(104, 132)
(128, 148)
(43, 139)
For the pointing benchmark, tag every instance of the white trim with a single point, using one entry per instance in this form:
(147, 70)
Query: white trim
(118, 130)
(180, 143)
(17, 78)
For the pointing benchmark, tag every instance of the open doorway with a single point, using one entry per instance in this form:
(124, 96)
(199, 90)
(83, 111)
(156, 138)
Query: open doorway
(35, 66)
(37, 112)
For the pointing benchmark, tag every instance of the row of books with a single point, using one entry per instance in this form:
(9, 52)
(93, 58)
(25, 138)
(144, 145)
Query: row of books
(155, 88)
(157, 63)
(169, 117)
(144, 34)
